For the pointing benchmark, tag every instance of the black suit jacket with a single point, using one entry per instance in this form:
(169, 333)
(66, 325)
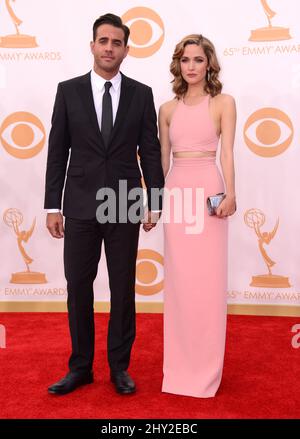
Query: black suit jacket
(92, 166)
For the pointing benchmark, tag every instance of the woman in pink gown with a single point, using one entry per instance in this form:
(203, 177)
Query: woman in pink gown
(195, 282)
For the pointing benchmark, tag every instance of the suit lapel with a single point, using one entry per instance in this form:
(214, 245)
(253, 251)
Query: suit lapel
(86, 94)
(127, 89)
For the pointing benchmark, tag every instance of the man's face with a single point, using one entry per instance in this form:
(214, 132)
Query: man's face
(109, 49)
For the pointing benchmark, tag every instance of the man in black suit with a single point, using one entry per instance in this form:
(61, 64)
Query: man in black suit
(98, 121)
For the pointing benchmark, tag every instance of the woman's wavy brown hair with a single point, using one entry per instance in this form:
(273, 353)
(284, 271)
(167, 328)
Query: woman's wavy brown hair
(212, 86)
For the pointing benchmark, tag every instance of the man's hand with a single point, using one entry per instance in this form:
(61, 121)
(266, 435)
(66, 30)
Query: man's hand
(55, 224)
(151, 220)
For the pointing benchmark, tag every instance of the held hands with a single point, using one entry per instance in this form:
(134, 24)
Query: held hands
(227, 207)
(55, 225)
(150, 220)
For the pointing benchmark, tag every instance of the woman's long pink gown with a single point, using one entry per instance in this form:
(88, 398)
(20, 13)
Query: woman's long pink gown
(195, 280)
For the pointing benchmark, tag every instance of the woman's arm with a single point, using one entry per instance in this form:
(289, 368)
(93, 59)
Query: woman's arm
(165, 156)
(228, 124)
(164, 137)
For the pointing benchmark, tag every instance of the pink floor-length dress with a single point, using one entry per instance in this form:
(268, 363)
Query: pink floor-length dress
(195, 280)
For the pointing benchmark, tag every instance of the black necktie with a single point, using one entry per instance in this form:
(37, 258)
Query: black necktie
(107, 114)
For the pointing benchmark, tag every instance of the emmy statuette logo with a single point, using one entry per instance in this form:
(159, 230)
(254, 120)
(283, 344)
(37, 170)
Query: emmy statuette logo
(16, 40)
(275, 36)
(270, 32)
(255, 219)
(13, 218)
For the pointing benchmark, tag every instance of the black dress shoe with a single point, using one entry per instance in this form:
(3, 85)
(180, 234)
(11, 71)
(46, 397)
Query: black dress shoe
(70, 382)
(123, 382)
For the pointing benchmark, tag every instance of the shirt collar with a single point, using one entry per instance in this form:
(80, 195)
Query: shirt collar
(99, 82)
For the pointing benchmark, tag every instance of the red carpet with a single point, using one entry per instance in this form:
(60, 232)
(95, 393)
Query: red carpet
(261, 373)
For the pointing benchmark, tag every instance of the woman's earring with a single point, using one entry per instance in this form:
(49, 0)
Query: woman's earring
(208, 75)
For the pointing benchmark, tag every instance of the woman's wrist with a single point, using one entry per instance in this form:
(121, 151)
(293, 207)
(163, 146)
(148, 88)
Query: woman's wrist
(230, 195)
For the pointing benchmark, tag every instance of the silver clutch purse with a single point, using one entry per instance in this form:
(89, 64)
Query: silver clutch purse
(213, 202)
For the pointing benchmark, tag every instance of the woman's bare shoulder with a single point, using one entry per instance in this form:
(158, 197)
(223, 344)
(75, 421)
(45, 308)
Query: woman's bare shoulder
(224, 99)
(168, 106)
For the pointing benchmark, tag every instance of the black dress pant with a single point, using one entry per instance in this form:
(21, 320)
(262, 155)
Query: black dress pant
(82, 251)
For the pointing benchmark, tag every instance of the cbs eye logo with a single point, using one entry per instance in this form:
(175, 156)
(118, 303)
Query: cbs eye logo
(268, 132)
(149, 265)
(146, 31)
(22, 135)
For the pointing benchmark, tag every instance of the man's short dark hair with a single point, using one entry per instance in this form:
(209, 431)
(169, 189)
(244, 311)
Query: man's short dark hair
(113, 20)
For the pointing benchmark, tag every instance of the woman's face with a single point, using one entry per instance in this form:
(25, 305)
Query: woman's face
(193, 64)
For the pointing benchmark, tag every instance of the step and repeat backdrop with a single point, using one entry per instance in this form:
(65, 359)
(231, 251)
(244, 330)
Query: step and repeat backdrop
(43, 42)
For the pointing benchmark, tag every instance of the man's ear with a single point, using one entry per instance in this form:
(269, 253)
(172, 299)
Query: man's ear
(126, 52)
(92, 44)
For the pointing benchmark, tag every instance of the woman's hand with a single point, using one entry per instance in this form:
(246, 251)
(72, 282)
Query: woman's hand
(227, 207)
